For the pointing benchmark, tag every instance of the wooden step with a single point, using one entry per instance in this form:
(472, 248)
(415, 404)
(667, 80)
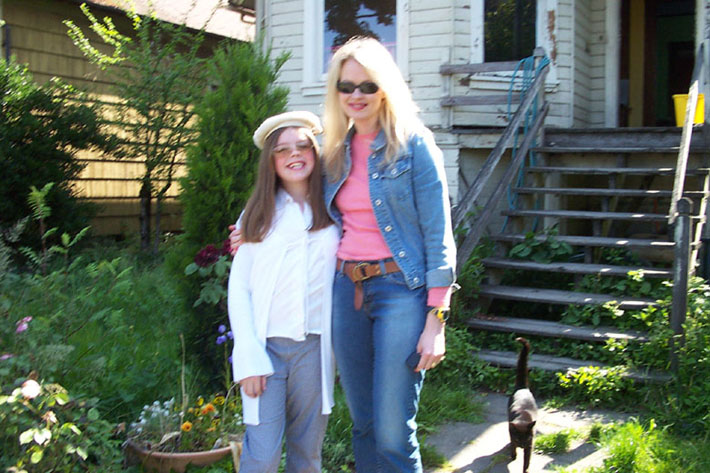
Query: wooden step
(595, 192)
(561, 364)
(546, 328)
(631, 150)
(591, 241)
(588, 215)
(575, 268)
(555, 296)
(647, 171)
(627, 137)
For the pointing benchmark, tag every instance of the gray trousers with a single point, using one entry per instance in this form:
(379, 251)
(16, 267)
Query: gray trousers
(291, 404)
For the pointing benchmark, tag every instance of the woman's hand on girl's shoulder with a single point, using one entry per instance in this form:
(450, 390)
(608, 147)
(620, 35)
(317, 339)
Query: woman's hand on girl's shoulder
(235, 239)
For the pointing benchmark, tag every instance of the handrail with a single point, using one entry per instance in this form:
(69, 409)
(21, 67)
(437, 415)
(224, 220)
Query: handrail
(483, 177)
(687, 134)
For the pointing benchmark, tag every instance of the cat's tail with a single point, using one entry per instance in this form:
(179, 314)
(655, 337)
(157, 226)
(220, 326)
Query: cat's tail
(521, 377)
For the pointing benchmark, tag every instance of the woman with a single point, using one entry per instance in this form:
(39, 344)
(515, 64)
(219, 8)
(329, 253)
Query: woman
(386, 188)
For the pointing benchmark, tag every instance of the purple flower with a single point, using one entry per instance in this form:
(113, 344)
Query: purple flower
(6, 356)
(226, 249)
(222, 328)
(229, 358)
(230, 336)
(221, 339)
(23, 325)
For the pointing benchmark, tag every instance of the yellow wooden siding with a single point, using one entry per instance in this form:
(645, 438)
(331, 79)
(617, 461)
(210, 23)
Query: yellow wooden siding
(39, 39)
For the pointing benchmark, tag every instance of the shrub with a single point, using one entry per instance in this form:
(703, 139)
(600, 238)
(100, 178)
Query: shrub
(221, 166)
(42, 127)
(45, 430)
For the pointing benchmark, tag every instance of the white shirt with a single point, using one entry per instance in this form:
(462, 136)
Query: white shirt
(297, 306)
(265, 278)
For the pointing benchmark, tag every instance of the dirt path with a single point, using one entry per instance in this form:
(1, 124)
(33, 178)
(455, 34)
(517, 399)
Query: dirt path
(483, 448)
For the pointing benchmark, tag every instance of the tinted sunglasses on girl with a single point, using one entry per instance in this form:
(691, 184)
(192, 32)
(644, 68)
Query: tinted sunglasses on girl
(367, 87)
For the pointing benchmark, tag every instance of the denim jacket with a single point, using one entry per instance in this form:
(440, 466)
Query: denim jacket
(410, 200)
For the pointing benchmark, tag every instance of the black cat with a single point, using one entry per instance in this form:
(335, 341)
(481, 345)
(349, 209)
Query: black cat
(522, 410)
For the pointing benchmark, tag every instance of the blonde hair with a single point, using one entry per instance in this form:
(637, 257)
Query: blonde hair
(398, 114)
(261, 206)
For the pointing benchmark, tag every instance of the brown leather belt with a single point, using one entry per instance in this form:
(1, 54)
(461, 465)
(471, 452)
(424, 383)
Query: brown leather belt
(359, 271)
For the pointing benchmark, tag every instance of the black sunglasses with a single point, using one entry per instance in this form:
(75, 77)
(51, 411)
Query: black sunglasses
(367, 87)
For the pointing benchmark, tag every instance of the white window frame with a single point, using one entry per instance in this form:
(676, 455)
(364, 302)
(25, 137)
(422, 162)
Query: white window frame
(543, 37)
(313, 21)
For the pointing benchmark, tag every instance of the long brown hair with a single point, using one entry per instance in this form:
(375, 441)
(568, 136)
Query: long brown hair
(261, 206)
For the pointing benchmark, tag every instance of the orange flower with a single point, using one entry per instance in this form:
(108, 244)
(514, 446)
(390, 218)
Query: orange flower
(209, 407)
(186, 426)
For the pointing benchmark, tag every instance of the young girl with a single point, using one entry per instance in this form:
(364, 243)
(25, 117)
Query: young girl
(279, 300)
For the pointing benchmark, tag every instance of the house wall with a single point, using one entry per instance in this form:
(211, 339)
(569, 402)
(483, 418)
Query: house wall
(39, 39)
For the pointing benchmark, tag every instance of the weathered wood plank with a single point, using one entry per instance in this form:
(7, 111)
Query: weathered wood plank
(552, 329)
(551, 363)
(554, 296)
(497, 99)
(612, 242)
(502, 66)
(598, 192)
(648, 171)
(576, 268)
(613, 149)
(585, 214)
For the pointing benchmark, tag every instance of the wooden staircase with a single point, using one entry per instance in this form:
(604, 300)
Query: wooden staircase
(600, 188)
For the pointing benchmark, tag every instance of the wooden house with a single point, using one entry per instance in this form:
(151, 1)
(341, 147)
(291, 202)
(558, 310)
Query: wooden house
(35, 34)
(594, 157)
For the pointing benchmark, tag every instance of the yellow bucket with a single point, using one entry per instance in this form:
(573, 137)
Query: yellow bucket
(680, 101)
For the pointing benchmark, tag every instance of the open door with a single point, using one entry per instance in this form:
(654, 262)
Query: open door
(657, 56)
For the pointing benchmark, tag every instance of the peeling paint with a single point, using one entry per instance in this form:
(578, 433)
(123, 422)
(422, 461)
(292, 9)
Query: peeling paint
(551, 34)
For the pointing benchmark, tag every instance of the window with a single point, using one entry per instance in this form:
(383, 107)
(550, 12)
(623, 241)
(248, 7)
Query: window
(347, 18)
(334, 21)
(509, 29)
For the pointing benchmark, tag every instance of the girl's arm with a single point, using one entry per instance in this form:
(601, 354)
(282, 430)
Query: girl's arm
(249, 357)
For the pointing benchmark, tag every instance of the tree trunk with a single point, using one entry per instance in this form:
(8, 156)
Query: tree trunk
(144, 218)
(158, 213)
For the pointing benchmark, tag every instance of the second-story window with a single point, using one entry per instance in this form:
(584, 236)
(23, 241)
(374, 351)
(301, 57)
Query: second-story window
(347, 18)
(509, 29)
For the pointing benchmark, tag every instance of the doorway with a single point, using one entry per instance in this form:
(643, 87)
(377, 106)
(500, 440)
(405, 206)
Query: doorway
(657, 58)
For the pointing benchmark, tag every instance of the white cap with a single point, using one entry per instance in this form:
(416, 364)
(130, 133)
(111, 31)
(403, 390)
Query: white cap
(296, 119)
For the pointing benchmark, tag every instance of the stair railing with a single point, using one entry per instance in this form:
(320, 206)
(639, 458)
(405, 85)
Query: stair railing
(680, 214)
(531, 98)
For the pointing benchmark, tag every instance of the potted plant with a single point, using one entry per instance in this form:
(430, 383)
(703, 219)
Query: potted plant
(167, 437)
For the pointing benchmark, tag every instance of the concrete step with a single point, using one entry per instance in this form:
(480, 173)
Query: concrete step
(546, 328)
(575, 268)
(555, 296)
(554, 364)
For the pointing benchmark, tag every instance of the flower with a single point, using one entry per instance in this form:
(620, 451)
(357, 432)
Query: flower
(30, 389)
(207, 256)
(6, 356)
(226, 249)
(175, 427)
(23, 324)
(49, 417)
(221, 339)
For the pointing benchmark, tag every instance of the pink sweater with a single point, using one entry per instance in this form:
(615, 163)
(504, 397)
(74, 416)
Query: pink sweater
(362, 240)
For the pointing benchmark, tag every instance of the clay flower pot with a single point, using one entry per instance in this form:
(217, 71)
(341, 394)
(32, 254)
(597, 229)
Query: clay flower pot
(164, 462)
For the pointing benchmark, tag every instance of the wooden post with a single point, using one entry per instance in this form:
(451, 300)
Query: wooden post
(679, 305)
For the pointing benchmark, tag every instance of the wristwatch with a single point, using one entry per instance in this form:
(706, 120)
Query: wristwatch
(441, 313)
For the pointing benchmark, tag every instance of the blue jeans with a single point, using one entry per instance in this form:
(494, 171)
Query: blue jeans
(371, 347)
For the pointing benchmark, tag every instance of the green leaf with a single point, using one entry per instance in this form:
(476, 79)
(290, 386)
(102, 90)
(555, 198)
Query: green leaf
(37, 456)
(81, 451)
(42, 436)
(26, 436)
(93, 414)
(191, 268)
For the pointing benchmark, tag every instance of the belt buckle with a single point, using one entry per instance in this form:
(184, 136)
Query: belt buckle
(359, 273)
